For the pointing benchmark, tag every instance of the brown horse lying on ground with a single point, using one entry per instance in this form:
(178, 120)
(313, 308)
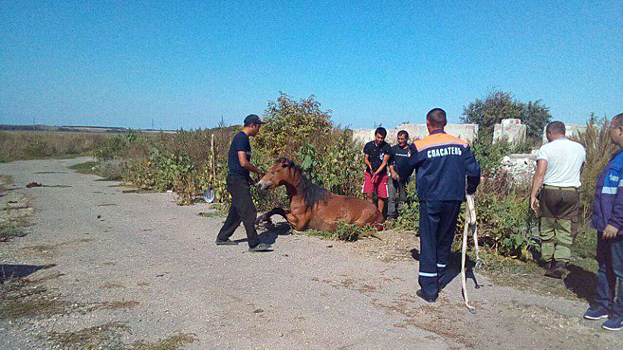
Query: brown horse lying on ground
(313, 207)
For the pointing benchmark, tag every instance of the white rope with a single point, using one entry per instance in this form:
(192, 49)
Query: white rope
(470, 225)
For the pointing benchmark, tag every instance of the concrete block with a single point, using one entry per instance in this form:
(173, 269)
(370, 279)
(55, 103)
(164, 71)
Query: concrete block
(520, 167)
(572, 130)
(514, 133)
(466, 132)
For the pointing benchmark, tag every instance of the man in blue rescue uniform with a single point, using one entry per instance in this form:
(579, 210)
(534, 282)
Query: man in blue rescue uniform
(608, 221)
(446, 169)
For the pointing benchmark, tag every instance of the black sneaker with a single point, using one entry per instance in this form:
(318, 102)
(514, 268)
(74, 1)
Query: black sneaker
(262, 247)
(227, 242)
(426, 298)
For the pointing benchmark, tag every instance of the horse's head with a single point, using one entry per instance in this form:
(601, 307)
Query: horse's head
(279, 174)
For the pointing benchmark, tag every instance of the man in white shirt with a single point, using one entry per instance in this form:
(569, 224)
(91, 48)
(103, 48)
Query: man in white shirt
(555, 196)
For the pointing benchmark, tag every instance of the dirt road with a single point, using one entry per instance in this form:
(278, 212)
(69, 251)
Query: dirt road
(126, 270)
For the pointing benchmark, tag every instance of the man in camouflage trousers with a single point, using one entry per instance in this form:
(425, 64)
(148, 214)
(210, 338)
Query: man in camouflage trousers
(555, 196)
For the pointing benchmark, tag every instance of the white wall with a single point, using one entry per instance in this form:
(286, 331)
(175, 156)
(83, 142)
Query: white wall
(466, 132)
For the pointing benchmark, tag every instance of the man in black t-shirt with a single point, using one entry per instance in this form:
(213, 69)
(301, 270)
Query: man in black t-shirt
(242, 208)
(376, 156)
(400, 168)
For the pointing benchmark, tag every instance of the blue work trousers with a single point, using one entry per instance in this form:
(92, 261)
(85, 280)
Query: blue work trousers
(610, 259)
(437, 226)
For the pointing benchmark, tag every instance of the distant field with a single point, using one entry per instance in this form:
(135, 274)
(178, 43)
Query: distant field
(25, 142)
(24, 145)
(75, 129)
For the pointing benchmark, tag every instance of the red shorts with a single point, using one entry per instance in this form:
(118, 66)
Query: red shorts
(379, 185)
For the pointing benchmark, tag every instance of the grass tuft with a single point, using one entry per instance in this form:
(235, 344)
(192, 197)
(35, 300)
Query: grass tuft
(173, 342)
(89, 168)
(344, 232)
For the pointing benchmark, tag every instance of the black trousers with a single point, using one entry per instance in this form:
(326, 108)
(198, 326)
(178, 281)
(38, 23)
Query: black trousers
(397, 195)
(242, 210)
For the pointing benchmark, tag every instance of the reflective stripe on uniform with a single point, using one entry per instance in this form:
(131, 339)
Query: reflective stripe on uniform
(428, 274)
(441, 265)
(609, 190)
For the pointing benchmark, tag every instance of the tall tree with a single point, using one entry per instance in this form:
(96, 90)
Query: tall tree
(498, 105)
(536, 116)
(491, 110)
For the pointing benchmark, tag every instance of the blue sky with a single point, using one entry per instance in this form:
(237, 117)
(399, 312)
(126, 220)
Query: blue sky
(187, 63)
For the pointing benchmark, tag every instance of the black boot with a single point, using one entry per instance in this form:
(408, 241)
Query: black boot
(557, 270)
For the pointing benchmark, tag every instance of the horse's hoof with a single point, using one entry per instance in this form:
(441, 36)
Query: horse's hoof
(259, 220)
(479, 264)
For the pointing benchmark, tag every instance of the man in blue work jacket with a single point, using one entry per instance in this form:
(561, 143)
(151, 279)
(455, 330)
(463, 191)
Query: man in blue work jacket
(608, 221)
(445, 168)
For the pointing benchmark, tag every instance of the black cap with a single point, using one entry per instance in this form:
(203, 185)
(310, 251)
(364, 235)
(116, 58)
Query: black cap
(252, 119)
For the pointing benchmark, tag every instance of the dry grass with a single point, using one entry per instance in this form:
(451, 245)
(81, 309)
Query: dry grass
(23, 298)
(108, 336)
(10, 230)
(173, 342)
(599, 149)
(24, 145)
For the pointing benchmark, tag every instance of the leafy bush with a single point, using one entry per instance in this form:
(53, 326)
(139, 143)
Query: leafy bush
(111, 148)
(112, 169)
(505, 224)
(490, 154)
(291, 124)
(409, 214)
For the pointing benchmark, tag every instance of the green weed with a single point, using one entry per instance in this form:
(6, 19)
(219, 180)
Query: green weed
(345, 232)
(89, 168)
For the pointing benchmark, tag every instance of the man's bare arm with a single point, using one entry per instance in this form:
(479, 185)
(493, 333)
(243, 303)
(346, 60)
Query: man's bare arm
(242, 157)
(366, 159)
(392, 170)
(383, 165)
(537, 183)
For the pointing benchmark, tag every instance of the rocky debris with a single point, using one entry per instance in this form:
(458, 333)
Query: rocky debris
(520, 167)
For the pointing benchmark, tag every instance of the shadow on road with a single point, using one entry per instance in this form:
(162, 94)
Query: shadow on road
(454, 267)
(8, 272)
(581, 282)
(273, 231)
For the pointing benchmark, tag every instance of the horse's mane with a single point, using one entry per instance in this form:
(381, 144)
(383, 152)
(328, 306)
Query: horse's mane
(312, 192)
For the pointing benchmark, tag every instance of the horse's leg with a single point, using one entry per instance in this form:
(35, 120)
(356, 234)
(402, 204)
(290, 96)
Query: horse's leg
(266, 216)
(292, 219)
(296, 222)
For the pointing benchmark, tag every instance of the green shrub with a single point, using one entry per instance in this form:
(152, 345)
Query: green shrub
(489, 154)
(112, 148)
(506, 224)
(291, 124)
(408, 214)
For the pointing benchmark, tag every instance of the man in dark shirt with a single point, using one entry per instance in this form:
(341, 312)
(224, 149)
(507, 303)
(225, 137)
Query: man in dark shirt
(376, 156)
(400, 168)
(242, 208)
